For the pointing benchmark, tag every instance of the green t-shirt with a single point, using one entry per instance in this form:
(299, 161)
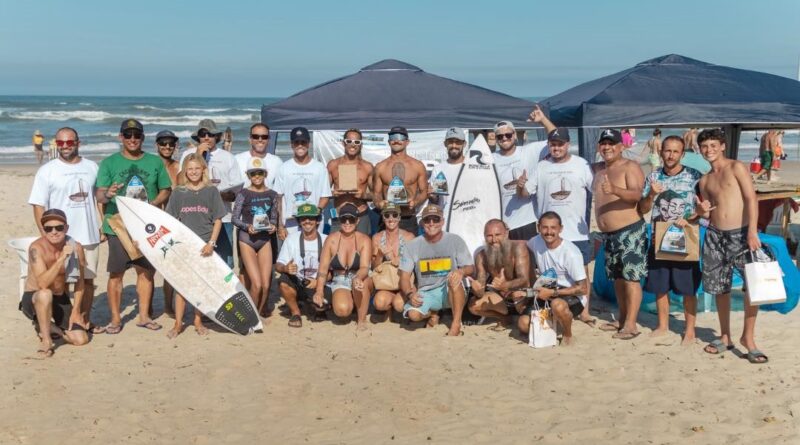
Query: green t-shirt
(141, 179)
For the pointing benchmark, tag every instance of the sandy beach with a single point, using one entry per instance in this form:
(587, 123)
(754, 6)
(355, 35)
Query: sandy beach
(325, 384)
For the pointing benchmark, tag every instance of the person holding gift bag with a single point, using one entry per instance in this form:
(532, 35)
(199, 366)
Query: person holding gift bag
(387, 249)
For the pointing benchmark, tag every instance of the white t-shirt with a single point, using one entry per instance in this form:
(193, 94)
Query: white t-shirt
(566, 260)
(306, 267)
(223, 171)
(448, 173)
(272, 165)
(300, 184)
(517, 211)
(562, 188)
(70, 187)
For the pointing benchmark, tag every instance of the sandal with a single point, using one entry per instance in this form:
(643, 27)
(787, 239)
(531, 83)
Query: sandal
(609, 327)
(719, 347)
(625, 335)
(295, 321)
(757, 357)
(151, 325)
(111, 329)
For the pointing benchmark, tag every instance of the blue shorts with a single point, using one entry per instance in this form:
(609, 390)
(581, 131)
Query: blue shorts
(434, 299)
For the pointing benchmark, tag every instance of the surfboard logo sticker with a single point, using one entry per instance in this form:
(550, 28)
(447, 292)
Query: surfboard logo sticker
(228, 306)
(153, 239)
(150, 228)
(168, 244)
(229, 277)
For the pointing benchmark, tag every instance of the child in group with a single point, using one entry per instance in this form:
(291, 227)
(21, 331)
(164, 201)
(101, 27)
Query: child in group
(197, 204)
(255, 215)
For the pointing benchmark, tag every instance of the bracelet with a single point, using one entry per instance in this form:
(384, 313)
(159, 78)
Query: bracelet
(212, 242)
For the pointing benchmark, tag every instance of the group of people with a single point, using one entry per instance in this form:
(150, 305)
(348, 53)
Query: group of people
(254, 204)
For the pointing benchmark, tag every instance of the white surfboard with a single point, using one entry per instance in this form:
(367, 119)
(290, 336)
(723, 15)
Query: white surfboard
(174, 250)
(475, 198)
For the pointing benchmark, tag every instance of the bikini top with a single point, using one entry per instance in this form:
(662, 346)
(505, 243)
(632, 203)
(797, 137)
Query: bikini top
(336, 264)
(400, 248)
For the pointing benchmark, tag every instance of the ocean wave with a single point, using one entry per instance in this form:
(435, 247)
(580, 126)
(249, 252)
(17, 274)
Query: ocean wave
(91, 116)
(113, 134)
(190, 110)
(192, 120)
(98, 116)
(101, 147)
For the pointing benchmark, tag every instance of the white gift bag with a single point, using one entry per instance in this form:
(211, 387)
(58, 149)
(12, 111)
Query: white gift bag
(542, 331)
(764, 278)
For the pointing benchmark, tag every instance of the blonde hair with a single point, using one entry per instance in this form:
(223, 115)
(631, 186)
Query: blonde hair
(193, 157)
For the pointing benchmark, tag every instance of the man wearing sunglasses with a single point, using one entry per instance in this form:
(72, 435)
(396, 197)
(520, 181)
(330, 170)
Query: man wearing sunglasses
(359, 196)
(134, 174)
(46, 298)
(259, 142)
(224, 173)
(401, 180)
(166, 144)
(67, 183)
(440, 261)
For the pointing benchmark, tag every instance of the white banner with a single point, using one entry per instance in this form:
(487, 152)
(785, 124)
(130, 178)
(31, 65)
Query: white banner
(427, 146)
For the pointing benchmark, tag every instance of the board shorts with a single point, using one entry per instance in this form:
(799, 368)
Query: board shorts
(62, 308)
(523, 233)
(433, 299)
(626, 252)
(364, 224)
(722, 251)
(118, 259)
(574, 304)
(303, 293)
(256, 241)
(680, 277)
(586, 250)
(766, 160)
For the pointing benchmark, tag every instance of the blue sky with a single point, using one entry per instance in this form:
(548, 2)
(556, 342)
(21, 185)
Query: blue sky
(273, 49)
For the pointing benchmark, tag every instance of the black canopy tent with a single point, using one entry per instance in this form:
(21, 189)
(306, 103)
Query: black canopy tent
(676, 91)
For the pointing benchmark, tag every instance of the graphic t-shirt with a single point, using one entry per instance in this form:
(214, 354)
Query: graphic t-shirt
(431, 262)
(561, 188)
(140, 178)
(565, 262)
(197, 209)
(300, 184)
(443, 177)
(272, 164)
(255, 208)
(517, 211)
(70, 188)
(223, 170)
(306, 267)
(677, 199)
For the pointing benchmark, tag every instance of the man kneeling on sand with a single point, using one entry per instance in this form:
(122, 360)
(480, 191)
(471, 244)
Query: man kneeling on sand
(559, 258)
(45, 300)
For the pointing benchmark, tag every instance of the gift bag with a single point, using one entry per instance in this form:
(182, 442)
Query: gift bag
(764, 278)
(676, 244)
(542, 331)
(386, 277)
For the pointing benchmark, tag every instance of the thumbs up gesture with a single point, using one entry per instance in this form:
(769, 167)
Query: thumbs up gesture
(291, 267)
(606, 185)
(499, 281)
(521, 181)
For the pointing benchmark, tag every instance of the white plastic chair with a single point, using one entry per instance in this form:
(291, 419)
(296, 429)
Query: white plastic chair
(21, 245)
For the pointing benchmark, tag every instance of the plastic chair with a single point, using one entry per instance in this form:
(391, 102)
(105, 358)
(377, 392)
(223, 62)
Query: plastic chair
(21, 245)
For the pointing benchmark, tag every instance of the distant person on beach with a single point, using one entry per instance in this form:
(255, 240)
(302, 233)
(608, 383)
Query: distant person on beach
(690, 139)
(439, 261)
(562, 183)
(166, 145)
(766, 155)
(675, 184)
(134, 174)
(224, 173)
(617, 189)
(627, 138)
(227, 139)
(401, 180)
(558, 257)
(444, 174)
(38, 142)
(67, 183)
(360, 196)
(259, 142)
(301, 180)
(52, 154)
(502, 267)
(653, 146)
(45, 301)
(729, 202)
(388, 246)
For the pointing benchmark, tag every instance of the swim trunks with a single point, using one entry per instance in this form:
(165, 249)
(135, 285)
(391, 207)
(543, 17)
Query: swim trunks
(574, 304)
(626, 252)
(766, 160)
(432, 300)
(62, 308)
(722, 251)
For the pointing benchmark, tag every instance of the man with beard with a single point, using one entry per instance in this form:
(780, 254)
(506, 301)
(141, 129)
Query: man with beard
(67, 183)
(444, 174)
(617, 188)
(503, 266)
(359, 197)
(401, 180)
(166, 144)
(134, 174)
(259, 140)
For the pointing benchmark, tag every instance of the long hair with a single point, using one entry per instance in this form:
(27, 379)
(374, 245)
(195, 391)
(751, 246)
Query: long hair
(193, 157)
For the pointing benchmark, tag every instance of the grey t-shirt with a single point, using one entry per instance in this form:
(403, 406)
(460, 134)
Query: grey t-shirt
(431, 262)
(197, 209)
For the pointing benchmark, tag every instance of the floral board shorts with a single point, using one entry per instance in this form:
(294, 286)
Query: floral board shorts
(626, 252)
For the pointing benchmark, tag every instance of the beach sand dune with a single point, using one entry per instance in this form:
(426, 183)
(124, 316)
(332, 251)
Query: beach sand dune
(325, 384)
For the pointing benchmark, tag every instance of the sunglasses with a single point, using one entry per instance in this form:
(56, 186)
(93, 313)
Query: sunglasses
(431, 220)
(391, 215)
(132, 135)
(169, 143)
(206, 134)
(502, 136)
(303, 219)
(349, 219)
(68, 144)
(352, 142)
(58, 228)
(398, 137)
(257, 173)
(259, 137)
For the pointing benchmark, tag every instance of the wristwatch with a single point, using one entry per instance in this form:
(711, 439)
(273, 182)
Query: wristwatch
(212, 242)
(555, 292)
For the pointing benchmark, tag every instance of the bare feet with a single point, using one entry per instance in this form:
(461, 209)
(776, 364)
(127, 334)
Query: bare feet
(361, 326)
(175, 331)
(200, 329)
(455, 331)
(659, 332)
(46, 350)
(688, 340)
(432, 321)
(567, 341)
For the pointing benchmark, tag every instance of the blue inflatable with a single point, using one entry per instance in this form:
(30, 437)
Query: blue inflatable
(604, 288)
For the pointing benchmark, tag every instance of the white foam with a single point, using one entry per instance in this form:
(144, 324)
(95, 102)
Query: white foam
(92, 116)
(85, 148)
(192, 110)
(192, 120)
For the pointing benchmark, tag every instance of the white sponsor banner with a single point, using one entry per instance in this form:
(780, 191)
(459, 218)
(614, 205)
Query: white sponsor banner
(427, 146)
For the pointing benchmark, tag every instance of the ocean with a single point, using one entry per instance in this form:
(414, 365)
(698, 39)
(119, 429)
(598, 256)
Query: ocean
(97, 120)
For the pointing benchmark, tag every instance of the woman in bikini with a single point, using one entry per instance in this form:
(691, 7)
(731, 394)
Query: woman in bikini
(346, 255)
(388, 245)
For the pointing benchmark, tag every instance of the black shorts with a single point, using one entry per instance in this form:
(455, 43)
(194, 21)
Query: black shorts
(118, 259)
(523, 233)
(62, 308)
(573, 302)
(681, 277)
(409, 224)
(303, 293)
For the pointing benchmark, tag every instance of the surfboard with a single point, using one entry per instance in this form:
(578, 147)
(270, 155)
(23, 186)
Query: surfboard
(475, 197)
(174, 250)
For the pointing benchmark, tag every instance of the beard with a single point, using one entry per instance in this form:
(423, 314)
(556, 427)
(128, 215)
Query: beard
(496, 256)
(454, 154)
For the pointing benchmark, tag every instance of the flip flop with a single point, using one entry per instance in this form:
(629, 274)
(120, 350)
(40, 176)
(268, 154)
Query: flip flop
(151, 325)
(719, 347)
(623, 335)
(109, 329)
(757, 357)
(46, 353)
(609, 327)
(591, 322)
(295, 321)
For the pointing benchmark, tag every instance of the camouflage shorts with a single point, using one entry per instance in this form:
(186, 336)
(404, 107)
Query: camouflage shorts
(722, 251)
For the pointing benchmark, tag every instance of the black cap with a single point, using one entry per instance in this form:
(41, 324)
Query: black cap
(300, 134)
(348, 209)
(53, 214)
(166, 134)
(559, 134)
(610, 134)
(131, 124)
(398, 130)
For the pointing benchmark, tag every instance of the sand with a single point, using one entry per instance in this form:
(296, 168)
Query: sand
(325, 384)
